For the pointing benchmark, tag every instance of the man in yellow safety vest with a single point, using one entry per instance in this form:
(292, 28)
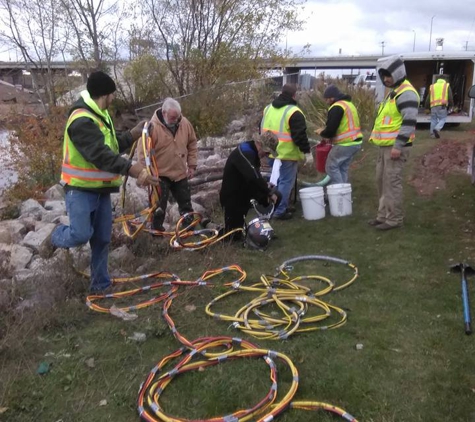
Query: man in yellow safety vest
(439, 100)
(393, 132)
(285, 119)
(91, 170)
(343, 130)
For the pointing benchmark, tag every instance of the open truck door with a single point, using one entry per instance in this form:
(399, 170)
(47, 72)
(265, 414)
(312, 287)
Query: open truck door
(471, 94)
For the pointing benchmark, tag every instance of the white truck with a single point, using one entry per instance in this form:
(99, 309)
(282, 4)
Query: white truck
(423, 69)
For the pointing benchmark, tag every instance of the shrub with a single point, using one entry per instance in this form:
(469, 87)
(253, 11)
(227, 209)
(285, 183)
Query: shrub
(35, 152)
(211, 110)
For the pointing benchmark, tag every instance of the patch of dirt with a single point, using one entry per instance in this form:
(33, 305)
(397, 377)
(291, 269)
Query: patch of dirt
(448, 156)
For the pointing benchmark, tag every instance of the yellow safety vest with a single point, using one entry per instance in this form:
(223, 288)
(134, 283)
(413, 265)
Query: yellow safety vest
(439, 93)
(276, 120)
(76, 171)
(349, 129)
(389, 119)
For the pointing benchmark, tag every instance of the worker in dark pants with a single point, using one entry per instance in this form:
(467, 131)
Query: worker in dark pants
(174, 147)
(242, 181)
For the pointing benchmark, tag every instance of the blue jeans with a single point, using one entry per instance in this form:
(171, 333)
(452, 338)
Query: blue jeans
(438, 116)
(287, 176)
(338, 162)
(90, 220)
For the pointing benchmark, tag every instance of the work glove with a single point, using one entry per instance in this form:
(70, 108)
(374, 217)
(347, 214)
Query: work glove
(308, 158)
(139, 172)
(136, 131)
(303, 164)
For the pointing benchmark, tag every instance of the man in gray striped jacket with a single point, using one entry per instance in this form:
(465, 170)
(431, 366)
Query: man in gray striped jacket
(393, 132)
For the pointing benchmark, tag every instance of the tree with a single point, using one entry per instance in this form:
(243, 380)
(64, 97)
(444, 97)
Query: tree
(93, 23)
(210, 42)
(32, 27)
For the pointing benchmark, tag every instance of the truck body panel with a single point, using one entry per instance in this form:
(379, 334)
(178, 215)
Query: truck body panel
(423, 69)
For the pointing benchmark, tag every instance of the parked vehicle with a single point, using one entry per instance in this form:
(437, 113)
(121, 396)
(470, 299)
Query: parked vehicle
(366, 80)
(471, 95)
(424, 68)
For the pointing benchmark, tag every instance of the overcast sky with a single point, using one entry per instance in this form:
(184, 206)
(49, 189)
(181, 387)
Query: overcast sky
(359, 26)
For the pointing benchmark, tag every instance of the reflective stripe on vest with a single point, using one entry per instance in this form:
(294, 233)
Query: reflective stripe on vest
(389, 119)
(276, 120)
(349, 129)
(439, 93)
(76, 171)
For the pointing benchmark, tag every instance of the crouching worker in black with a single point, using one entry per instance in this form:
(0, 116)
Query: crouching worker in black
(242, 181)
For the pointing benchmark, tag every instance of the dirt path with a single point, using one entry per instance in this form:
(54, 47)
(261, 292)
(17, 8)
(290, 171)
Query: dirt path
(448, 156)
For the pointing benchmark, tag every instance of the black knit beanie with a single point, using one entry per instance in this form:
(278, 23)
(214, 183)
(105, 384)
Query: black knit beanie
(333, 92)
(99, 84)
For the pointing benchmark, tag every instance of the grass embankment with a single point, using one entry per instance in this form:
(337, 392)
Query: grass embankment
(416, 363)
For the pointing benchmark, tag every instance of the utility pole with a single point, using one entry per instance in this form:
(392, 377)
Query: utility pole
(414, 43)
(466, 45)
(382, 48)
(430, 36)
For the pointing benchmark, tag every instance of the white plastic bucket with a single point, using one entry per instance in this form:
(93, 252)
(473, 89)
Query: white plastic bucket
(313, 203)
(339, 198)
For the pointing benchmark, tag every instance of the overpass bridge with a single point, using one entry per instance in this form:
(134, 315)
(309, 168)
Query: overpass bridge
(16, 73)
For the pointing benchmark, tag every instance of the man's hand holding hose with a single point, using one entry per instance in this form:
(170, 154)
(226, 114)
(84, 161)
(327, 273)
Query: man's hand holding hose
(139, 172)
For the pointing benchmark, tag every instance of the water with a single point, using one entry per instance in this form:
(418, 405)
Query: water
(7, 176)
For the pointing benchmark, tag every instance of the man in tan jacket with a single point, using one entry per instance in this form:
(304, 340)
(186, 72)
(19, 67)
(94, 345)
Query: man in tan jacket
(174, 146)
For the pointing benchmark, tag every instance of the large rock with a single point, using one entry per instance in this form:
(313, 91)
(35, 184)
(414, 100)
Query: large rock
(213, 160)
(32, 208)
(136, 199)
(12, 231)
(55, 205)
(40, 240)
(14, 257)
(55, 217)
(120, 255)
(208, 199)
(55, 192)
(20, 257)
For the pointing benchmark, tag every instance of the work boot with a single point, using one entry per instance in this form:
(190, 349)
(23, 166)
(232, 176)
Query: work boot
(436, 134)
(186, 222)
(157, 220)
(375, 222)
(386, 226)
(291, 208)
(284, 216)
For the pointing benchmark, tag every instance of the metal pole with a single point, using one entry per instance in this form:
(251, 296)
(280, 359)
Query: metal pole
(430, 36)
(414, 44)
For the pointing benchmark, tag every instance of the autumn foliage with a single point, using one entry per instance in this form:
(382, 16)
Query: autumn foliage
(35, 152)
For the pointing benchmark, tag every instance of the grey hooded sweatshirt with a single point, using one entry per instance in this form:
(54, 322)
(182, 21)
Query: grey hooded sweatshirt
(407, 103)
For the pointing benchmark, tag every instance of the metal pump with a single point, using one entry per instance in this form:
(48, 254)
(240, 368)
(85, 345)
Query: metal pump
(259, 232)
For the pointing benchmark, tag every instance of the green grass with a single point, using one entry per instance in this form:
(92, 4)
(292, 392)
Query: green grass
(405, 309)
